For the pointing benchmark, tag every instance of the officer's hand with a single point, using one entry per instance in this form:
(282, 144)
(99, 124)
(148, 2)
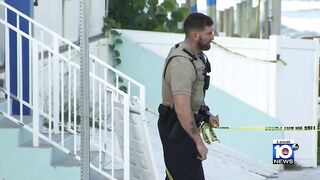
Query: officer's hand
(203, 151)
(214, 121)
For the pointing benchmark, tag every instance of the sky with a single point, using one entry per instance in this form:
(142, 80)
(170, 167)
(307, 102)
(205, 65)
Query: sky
(302, 16)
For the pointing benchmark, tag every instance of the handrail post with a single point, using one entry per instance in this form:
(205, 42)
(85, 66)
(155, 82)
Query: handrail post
(35, 95)
(55, 84)
(142, 102)
(126, 137)
(7, 62)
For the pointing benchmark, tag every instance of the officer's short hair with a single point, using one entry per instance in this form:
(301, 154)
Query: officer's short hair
(196, 21)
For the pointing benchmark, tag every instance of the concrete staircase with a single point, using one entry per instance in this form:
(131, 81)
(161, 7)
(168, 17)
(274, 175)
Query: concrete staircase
(121, 152)
(20, 160)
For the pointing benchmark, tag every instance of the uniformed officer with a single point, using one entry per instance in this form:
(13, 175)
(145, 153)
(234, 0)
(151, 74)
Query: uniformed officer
(184, 83)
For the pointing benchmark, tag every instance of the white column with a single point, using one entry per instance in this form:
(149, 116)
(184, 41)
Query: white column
(85, 88)
(211, 11)
(276, 17)
(126, 136)
(193, 6)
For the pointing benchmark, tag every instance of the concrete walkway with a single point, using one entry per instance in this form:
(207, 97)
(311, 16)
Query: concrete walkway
(222, 163)
(305, 174)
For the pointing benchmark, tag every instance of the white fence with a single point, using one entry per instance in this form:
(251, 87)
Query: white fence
(288, 93)
(249, 80)
(297, 93)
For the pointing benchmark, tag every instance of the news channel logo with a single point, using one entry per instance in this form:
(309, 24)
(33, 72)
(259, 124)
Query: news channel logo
(283, 151)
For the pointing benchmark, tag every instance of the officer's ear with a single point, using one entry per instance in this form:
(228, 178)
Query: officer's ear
(195, 35)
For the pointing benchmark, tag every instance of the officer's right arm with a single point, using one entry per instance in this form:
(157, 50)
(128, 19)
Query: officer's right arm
(186, 119)
(181, 76)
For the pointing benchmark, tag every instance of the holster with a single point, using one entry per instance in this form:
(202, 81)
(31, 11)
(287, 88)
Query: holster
(169, 125)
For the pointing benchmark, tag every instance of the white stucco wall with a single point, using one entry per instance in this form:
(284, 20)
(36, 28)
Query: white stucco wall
(62, 16)
(49, 14)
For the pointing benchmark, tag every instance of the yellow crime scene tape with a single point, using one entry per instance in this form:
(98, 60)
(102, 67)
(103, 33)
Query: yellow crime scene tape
(168, 174)
(209, 136)
(242, 55)
(272, 128)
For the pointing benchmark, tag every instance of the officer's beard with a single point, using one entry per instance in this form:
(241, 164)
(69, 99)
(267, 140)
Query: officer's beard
(204, 46)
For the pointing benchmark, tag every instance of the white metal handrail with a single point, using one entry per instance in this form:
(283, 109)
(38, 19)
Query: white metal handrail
(56, 38)
(53, 91)
(34, 24)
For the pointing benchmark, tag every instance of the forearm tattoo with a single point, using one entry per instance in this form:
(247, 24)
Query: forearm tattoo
(194, 129)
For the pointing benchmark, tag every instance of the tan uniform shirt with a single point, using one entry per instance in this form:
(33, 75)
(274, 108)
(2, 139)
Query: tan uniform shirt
(181, 78)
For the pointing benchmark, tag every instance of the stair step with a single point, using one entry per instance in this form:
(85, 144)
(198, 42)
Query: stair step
(7, 123)
(28, 141)
(61, 159)
(27, 120)
(118, 174)
(3, 104)
(29, 163)
(42, 144)
(105, 160)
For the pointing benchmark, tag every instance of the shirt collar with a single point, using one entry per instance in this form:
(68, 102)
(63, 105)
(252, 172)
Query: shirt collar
(188, 47)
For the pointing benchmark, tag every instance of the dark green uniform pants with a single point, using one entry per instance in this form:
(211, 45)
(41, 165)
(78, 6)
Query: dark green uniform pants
(180, 154)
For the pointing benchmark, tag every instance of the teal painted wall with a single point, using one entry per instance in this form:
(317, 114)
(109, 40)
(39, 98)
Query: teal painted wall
(146, 67)
(26, 163)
